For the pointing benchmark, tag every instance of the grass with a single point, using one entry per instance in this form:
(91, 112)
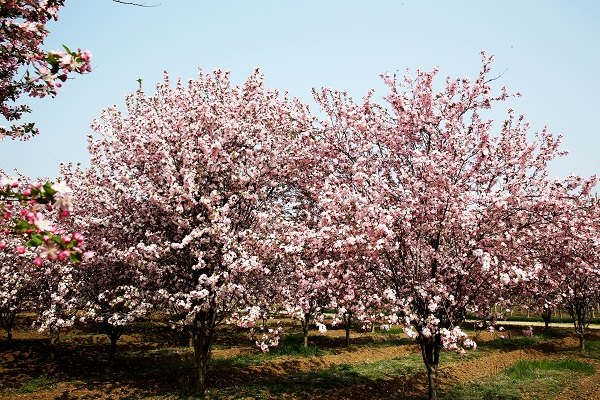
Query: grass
(513, 338)
(340, 376)
(592, 346)
(528, 370)
(535, 379)
(31, 385)
(511, 343)
(326, 380)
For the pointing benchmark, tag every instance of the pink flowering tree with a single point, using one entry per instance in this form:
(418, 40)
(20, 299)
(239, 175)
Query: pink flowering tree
(25, 68)
(114, 289)
(203, 165)
(448, 197)
(307, 291)
(55, 299)
(55, 277)
(33, 235)
(569, 263)
(356, 298)
(15, 283)
(324, 244)
(323, 272)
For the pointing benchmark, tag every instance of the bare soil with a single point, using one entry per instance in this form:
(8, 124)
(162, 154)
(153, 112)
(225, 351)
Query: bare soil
(155, 363)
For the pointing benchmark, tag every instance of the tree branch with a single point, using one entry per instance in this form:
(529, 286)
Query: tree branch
(135, 4)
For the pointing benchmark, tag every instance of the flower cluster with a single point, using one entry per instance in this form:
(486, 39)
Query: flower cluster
(25, 212)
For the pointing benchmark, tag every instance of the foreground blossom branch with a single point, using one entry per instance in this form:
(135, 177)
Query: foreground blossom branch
(25, 214)
(26, 67)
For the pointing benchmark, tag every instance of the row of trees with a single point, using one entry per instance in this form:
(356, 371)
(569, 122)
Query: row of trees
(222, 204)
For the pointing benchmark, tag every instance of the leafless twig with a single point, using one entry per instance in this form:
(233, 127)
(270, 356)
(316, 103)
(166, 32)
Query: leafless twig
(135, 4)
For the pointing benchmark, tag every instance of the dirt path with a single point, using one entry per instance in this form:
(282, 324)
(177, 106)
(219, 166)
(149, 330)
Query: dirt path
(550, 325)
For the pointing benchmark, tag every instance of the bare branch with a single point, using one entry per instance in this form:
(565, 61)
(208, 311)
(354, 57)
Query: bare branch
(135, 4)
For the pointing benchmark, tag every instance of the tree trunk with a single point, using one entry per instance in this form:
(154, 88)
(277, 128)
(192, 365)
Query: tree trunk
(347, 326)
(581, 342)
(432, 383)
(113, 332)
(54, 341)
(112, 353)
(202, 332)
(546, 315)
(7, 319)
(430, 350)
(579, 312)
(305, 323)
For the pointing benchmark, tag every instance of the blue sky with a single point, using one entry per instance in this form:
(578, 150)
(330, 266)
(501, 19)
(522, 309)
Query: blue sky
(548, 50)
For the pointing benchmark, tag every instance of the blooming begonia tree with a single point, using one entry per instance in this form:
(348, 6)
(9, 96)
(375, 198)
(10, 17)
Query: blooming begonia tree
(205, 165)
(55, 298)
(446, 199)
(569, 262)
(114, 289)
(307, 291)
(15, 282)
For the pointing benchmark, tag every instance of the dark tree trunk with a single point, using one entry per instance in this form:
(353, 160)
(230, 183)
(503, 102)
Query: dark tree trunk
(7, 320)
(114, 333)
(430, 351)
(347, 326)
(54, 341)
(581, 342)
(579, 310)
(546, 316)
(202, 331)
(305, 326)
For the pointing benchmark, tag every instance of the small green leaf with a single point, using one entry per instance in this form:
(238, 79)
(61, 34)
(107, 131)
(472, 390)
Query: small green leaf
(75, 257)
(35, 241)
(22, 225)
(48, 189)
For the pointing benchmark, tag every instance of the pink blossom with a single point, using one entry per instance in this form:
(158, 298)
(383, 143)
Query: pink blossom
(50, 250)
(528, 332)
